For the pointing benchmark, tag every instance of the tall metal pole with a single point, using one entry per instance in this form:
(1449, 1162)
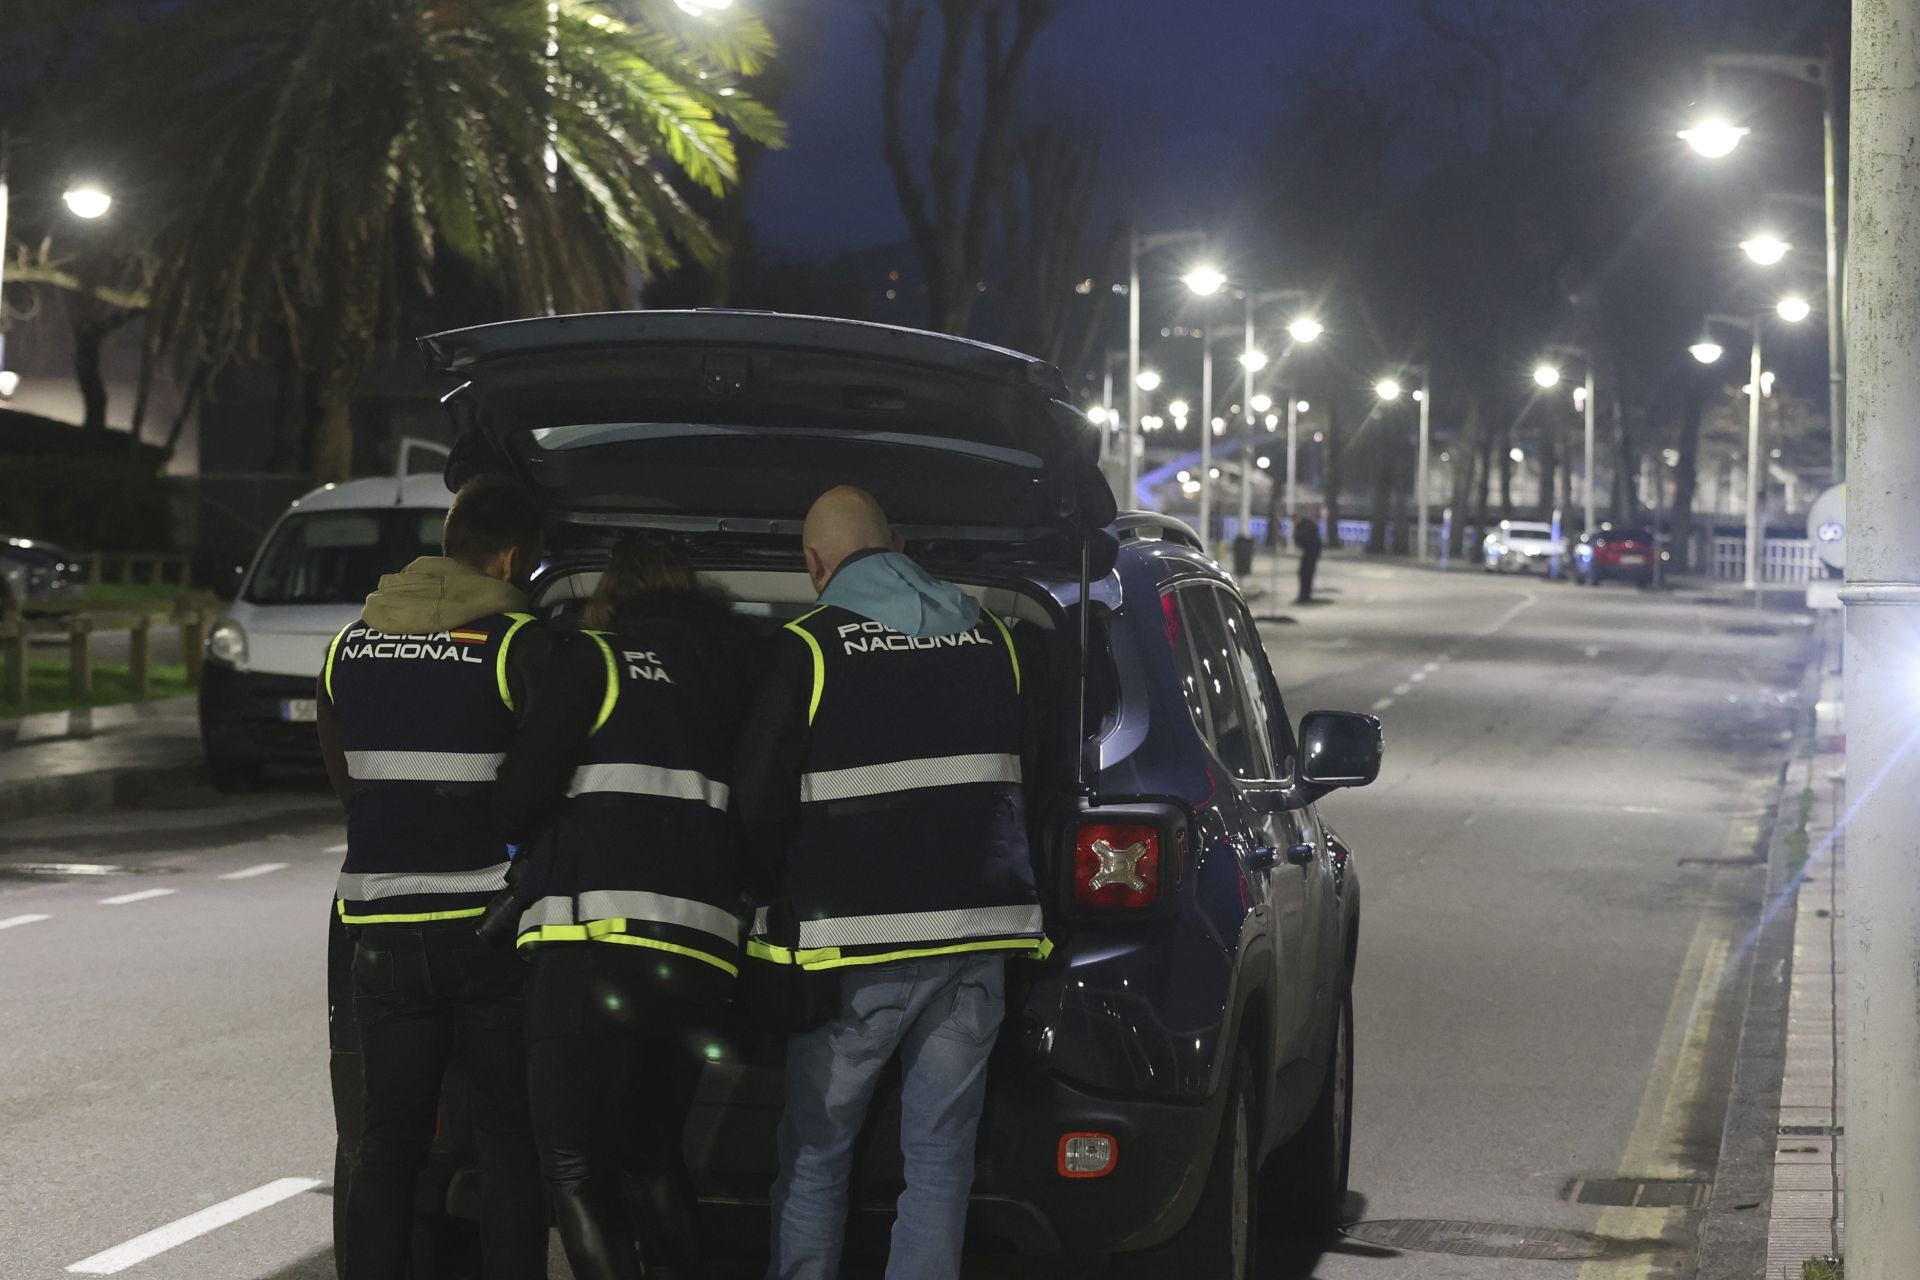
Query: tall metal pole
(1293, 449)
(1420, 472)
(1106, 403)
(3, 249)
(1836, 305)
(1753, 466)
(1586, 486)
(1246, 447)
(1133, 370)
(1881, 893)
(1206, 435)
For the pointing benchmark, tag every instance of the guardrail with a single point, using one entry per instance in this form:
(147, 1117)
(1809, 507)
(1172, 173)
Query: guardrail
(139, 568)
(17, 635)
(1789, 560)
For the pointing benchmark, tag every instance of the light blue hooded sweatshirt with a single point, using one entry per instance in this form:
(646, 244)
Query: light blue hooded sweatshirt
(892, 590)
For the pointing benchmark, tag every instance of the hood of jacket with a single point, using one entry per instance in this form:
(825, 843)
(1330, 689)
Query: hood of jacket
(437, 594)
(892, 590)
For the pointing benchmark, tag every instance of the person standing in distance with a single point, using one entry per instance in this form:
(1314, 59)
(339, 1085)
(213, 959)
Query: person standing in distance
(879, 793)
(629, 913)
(1306, 537)
(417, 707)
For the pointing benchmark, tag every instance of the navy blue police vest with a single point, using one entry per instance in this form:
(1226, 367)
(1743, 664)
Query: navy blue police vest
(425, 721)
(913, 837)
(639, 855)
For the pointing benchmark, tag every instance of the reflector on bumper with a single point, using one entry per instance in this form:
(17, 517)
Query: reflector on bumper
(1087, 1155)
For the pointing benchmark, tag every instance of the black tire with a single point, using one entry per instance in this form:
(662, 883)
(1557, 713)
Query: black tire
(234, 773)
(1304, 1184)
(1218, 1241)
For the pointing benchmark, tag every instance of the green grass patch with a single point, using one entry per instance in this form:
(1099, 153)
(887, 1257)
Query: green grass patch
(48, 687)
(1823, 1269)
(107, 596)
(1797, 839)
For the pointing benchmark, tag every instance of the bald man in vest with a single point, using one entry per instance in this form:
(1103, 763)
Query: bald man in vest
(880, 791)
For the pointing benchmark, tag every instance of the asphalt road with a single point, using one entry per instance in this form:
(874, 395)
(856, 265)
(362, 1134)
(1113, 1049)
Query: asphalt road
(1556, 888)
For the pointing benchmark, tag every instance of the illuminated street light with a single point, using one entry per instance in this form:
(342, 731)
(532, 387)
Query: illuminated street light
(1387, 389)
(1263, 462)
(1098, 415)
(1580, 397)
(703, 8)
(1213, 473)
(1303, 406)
(1179, 409)
(1219, 426)
(1261, 403)
(1305, 329)
(1152, 422)
(1765, 249)
(1273, 422)
(1766, 383)
(1793, 309)
(1184, 476)
(1204, 280)
(87, 202)
(1707, 351)
(1517, 454)
(1714, 137)
(1253, 361)
(9, 383)
(1420, 395)
(1546, 375)
(1148, 380)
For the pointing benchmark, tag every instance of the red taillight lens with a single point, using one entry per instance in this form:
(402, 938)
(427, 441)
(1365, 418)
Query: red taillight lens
(1117, 865)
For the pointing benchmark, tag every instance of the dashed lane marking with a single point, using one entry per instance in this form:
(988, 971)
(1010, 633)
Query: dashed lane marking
(1402, 690)
(335, 848)
(1383, 704)
(174, 1234)
(142, 896)
(14, 922)
(248, 873)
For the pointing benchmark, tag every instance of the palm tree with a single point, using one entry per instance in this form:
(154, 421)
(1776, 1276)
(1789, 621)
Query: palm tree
(309, 156)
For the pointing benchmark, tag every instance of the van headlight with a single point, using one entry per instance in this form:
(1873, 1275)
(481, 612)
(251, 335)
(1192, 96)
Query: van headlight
(227, 643)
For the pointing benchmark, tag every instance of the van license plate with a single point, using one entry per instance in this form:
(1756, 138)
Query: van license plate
(1633, 560)
(298, 710)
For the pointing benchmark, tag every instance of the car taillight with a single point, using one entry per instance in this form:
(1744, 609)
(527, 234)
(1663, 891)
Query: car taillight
(1116, 865)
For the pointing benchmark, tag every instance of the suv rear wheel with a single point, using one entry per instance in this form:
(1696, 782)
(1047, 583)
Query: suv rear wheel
(1218, 1241)
(1304, 1185)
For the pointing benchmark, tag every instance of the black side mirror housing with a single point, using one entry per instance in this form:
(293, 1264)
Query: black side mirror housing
(1339, 749)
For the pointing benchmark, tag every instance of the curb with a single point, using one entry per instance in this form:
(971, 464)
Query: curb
(1734, 1232)
(98, 789)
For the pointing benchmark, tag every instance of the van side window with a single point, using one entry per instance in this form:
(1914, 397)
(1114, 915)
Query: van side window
(1205, 656)
(1256, 679)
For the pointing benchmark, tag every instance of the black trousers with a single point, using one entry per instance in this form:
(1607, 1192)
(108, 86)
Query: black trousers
(1309, 561)
(614, 1051)
(343, 1070)
(426, 995)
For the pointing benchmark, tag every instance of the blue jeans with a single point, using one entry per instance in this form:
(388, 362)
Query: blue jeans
(941, 1015)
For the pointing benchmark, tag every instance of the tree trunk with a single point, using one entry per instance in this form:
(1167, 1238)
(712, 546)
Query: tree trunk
(142, 396)
(1466, 450)
(87, 341)
(1400, 485)
(1549, 467)
(1626, 471)
(1330, 474)
(330, 456)
(189, 401)
(1506, 474)
(1383, 486)
(1483, 473)
(1686, 475)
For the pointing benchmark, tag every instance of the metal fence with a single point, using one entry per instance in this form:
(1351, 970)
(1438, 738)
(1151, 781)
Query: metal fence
(1787, 560)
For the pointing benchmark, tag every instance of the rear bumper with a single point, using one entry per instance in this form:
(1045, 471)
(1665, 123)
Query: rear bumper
(241, 724)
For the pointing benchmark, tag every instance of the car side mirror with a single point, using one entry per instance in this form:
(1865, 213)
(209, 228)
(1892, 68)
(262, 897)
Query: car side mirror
(226, 584)
(1339, 749)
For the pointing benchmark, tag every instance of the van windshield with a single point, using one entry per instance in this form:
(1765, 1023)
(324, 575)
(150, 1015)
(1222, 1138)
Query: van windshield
(337, 557)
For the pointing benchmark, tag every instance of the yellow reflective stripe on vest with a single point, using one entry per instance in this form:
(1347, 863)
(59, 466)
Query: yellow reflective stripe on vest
(833, 958)
(612, 699)
(1006, 635)
(819, 661)
(649, 780)
(500, 663)
(406, 917)
(611, 907)
(612, 931)
(866, 780)
(424, 766)
(332, 649)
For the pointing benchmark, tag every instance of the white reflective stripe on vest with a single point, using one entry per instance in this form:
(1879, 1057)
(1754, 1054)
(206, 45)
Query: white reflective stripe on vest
(424, 766)
(633, 904)
(649, 780)
(908, 775)
(920, 926)
(371, 886)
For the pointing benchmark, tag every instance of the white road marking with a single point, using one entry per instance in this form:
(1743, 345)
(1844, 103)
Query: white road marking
(1510, 615)
(174, 1234)
(335, 848)
(248, 873)
(1434, 666)
(1417, 676)
(1640, 808)
(1383, 704)
(141, 896)
(14, 922)
(1402, 690)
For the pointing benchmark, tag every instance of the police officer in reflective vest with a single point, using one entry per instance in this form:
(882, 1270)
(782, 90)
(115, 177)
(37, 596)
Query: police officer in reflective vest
(879, 787)
(631, 902)
(417, 707)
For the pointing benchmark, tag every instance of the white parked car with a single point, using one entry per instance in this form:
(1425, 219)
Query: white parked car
(310, 578)
(1523, 546)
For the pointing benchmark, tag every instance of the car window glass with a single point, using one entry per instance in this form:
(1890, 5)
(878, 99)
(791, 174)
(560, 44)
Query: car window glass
(1256, 682)
(1187, 663)
(337, 557)
(1211, 673)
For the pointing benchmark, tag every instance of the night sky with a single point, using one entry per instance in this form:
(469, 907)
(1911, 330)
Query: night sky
(1180, 92)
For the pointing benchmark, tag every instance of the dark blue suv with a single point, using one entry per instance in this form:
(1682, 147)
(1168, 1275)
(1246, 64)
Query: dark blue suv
(1182, 1062)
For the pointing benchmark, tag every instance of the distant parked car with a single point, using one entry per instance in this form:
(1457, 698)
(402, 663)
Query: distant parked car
(1609, 554)
(35, 572)
(1522, 545)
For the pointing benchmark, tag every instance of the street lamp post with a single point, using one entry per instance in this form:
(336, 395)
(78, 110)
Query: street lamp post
(1718, 138)
(1204, 281)
(1389, 389)
(85, 201)
(1138, 244)
(1304, 328)
(1540, 375)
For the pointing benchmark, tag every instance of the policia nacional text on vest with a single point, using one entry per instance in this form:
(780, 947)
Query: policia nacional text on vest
(639, 855)
(912, 838)
(426, 721)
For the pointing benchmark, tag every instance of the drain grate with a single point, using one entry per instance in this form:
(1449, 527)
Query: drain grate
(1481, 1239)
(1639, 1193)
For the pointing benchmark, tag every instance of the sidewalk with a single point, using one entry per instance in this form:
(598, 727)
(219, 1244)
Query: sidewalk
(68, 761)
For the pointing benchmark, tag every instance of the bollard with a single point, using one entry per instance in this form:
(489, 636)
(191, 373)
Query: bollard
(17, 659)
(193, 638)
(140, 657)
(80, 657)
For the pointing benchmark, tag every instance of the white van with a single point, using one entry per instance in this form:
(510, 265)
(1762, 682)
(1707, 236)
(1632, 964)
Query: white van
(310, 578)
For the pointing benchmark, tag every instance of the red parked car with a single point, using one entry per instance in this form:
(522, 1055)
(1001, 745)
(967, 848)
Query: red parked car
(1615, 554)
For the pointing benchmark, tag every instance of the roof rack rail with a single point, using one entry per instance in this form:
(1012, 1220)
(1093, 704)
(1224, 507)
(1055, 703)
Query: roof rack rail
(1151, 524)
